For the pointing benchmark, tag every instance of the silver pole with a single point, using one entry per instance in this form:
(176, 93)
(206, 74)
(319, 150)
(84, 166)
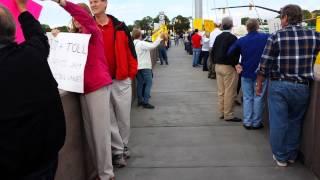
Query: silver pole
(198, 9)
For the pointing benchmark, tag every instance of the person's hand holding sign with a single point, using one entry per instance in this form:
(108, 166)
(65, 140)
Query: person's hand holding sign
(22, 5)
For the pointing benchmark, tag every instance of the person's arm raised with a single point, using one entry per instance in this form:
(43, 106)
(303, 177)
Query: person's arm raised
(34, 35)
(80, 15)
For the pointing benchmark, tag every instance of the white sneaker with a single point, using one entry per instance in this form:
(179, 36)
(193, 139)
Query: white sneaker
(280, 164)
(291, 161)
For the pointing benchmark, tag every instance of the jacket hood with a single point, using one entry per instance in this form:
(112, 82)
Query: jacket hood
(117, 24)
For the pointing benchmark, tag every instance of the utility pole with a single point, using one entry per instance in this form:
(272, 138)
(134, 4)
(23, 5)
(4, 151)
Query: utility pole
(198, 9)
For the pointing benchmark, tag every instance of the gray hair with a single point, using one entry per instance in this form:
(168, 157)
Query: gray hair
(7, 26)
(227, 23)
(252, 25)
(293, 12)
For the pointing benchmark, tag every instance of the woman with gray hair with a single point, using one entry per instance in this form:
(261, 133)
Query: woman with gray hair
(7, 27)
(251, 54)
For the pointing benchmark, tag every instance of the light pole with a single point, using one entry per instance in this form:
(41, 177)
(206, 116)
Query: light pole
(198, 9)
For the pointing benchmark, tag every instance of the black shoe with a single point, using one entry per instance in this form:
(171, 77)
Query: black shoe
(234, 120)
(237, 103)
(118, 161)
(247, 127)
(126, 153)
(221, 117)
(261, 126)
(148, 106)
(140, 104)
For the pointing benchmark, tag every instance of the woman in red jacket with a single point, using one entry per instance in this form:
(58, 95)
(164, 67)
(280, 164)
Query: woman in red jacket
(96, 98)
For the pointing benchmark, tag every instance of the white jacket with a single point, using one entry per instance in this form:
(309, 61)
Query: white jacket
(143, 49)
(213, 35)
(205, 43)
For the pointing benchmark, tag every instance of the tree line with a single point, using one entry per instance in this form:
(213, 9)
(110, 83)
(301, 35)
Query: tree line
(179, 23)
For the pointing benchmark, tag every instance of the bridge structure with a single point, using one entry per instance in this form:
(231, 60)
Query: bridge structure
(183, 137)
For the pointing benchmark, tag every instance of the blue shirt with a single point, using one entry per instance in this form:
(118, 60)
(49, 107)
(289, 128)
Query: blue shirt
(251, 48)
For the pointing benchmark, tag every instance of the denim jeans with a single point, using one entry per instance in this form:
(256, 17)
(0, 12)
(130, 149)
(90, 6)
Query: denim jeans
(163, 55)
(253, 105)
(196, 56)
(288, 103)
(47, 173)
(144, 84)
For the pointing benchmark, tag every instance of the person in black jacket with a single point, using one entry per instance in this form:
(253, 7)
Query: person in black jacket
(227, 77)
(32, 122)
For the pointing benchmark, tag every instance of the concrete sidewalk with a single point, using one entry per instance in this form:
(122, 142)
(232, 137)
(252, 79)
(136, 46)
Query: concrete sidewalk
(184, 139)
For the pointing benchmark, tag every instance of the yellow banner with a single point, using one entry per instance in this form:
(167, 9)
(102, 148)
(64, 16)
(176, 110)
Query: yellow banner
(208, 25)
(198, 24)
(157, 33)
(318, 30)
(318, 24)
(318, 59)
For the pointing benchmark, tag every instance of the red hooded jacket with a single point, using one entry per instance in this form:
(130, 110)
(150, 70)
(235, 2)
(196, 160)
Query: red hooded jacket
(126, 65)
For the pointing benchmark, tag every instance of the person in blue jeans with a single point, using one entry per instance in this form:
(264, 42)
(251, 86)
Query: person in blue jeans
(144, 75)
(163, 53)
(253, 105)
(196, 45)
(287, 62)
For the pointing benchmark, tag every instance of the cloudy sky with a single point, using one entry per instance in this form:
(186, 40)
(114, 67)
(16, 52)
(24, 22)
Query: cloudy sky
(130, 10)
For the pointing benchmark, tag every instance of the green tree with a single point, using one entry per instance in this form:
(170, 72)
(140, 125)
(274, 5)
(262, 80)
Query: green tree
(314, 13)
(45, 28)
(181, 24)
(130, 27)
(306, 14)
(244, 20)
(147, 23)
(63, 29)
(137, 23)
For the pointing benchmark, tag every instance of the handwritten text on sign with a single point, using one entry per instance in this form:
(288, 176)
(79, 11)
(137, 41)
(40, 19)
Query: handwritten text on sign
(67, 60)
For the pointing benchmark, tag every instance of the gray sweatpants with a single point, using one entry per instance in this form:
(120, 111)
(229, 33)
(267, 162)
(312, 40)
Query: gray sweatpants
(96, 117)
(120, 109)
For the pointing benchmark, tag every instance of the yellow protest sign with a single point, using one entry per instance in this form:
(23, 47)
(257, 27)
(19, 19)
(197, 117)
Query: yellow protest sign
(318, 24)
(318, 30)
(157, 33)
(208, 25)
(198, 24)
(316, 68)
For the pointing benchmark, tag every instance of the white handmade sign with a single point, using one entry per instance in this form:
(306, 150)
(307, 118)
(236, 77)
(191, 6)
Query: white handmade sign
(274, 25)
(67, 60)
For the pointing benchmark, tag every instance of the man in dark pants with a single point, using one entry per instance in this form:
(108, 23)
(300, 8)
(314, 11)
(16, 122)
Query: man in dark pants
(32, 123)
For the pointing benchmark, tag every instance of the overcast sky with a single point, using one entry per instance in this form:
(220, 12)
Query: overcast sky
(130, 10)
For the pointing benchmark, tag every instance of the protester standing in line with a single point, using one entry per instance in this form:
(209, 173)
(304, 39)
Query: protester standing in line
(122, 62)
(32, 122)
(144, 76)
(186, 41)
(95, 101)
(163, 52)
(253, 105)
(205, 50)
(176, 39)
(213, 35)
(227, 77)
(287, 62)
(196, 45)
